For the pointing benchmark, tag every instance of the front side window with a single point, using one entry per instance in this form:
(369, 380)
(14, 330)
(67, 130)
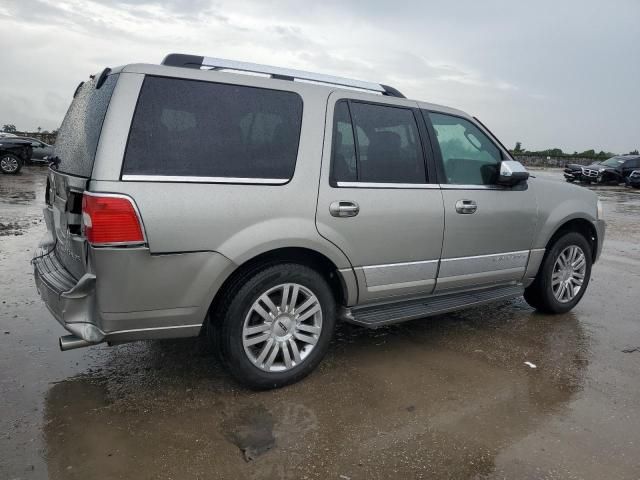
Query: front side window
(189, 128)
(613, 162)
(469, 157)
(386, 148)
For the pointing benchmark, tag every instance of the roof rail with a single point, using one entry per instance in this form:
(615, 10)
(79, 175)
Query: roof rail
(194, 61)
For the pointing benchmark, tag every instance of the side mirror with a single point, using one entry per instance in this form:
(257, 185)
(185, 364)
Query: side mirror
(512, 173)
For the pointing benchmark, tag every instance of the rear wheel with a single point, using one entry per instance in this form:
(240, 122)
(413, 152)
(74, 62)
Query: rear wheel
(563, 276)
(10, 163)
(276, 328)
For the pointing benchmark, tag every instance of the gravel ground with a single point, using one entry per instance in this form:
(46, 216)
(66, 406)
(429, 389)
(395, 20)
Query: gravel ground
(446, 397)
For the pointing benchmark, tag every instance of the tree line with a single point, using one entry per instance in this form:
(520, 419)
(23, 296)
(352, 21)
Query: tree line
(557, 152)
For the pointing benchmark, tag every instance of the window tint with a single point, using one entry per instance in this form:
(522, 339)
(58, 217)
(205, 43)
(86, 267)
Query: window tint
(388, 146)
(469, 157)
(344, 148)
(202, 129)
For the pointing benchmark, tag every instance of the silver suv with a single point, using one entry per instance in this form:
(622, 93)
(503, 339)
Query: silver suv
(258, 209)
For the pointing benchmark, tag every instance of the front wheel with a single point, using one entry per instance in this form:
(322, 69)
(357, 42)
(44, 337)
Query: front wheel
(10, 163)
(563, 276)
(276, 328)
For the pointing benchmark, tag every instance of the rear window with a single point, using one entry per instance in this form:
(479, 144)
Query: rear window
(189, 128)
(78, 136)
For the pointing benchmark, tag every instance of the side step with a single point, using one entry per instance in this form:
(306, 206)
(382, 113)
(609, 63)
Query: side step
(385, 314)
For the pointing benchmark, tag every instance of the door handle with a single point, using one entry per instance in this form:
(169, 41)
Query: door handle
(344, 208)
(466, 206)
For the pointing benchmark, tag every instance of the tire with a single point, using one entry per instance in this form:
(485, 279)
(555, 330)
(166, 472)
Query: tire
(540, 294)
(10, 163)
(233, 323)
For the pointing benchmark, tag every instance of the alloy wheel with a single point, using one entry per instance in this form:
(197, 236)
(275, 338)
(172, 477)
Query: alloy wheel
(568, 274)
(9, 164)
(282, 327)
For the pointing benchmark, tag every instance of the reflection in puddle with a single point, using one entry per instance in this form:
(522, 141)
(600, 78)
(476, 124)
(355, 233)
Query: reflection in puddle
(439, 397)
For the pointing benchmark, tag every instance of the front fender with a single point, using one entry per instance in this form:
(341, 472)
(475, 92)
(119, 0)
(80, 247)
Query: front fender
(559, 203)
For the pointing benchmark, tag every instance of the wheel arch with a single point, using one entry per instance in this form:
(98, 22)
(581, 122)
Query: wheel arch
(579, 225)
(340, 285)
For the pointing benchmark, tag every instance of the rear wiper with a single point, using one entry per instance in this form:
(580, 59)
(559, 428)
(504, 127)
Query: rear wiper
(54, 162)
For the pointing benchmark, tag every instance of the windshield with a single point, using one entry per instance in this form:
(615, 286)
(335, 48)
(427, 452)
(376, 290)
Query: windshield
(78, 136)
(613, 162)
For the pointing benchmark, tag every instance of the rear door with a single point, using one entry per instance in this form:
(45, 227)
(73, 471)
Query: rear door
(75, 150)
(377, 201)
(489, 228)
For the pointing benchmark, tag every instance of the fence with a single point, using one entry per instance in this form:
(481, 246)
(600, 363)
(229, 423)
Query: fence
(49, 138)
(557, 162)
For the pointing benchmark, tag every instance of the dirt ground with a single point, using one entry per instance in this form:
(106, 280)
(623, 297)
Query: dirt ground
(446, 397)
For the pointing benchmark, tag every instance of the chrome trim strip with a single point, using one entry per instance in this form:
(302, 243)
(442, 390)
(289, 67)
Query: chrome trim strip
(420, 262)
(400, 274)
(483, 265)
(152, 329)
(485, 256)
(187, 179)
(451, 186)
(421, 186)
(424, 186)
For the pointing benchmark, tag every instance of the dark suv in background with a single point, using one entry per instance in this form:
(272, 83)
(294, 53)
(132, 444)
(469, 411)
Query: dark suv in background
(613, 170)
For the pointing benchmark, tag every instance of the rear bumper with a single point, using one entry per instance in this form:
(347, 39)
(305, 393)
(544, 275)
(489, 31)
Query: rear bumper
(70, 301)
(129, 294)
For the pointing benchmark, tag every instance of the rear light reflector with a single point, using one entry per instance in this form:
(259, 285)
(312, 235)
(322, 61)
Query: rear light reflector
(110, 219)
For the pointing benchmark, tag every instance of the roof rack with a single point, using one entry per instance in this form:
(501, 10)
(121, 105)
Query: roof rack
(210, 63)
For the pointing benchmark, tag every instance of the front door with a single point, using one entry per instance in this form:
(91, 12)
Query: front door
(376, 202)
(489, 229)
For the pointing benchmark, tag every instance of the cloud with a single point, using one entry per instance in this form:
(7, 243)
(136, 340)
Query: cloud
(548, 74)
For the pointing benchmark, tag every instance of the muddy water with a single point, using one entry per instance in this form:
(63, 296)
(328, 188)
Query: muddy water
(447, 397)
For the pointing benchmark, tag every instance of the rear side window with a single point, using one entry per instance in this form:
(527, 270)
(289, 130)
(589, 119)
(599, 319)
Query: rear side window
(80, 130)
(386, 149)
(189, 128)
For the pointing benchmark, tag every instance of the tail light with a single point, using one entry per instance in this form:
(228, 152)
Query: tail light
(111, 220)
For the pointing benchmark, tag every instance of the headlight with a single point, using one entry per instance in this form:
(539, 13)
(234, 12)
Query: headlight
(601, 170)
(600, 210)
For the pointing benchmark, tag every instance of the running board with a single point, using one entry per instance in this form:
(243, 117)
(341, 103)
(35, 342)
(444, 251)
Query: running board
(385, 314)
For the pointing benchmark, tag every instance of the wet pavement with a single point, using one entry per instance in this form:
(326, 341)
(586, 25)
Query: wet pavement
(446, 397)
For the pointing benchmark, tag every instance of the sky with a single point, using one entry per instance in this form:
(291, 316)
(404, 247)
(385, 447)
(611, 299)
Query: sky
(550, 74)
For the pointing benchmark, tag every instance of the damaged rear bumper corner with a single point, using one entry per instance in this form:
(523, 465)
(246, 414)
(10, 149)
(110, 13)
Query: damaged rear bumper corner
(71, 302)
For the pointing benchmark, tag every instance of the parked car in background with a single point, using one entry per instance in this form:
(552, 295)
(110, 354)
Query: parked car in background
(13, 154)
(633, 180)
(6, 134)
(41, 151)
(613, 170)
(260, 210)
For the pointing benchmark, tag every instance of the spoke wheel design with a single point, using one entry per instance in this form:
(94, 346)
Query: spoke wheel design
(9, 164)
(568, 273)
(282, 327)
